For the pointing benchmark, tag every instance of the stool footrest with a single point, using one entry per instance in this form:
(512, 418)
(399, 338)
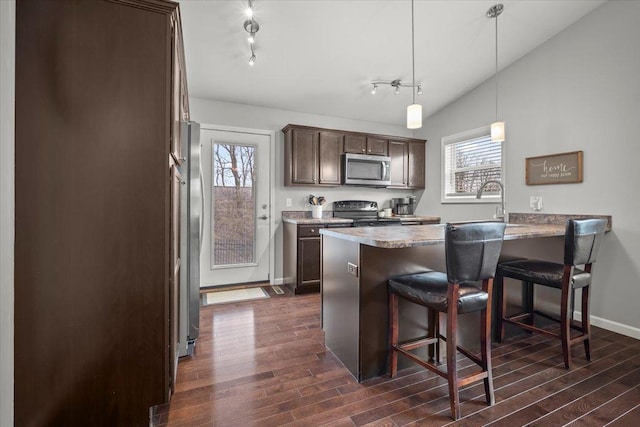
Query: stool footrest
(421, 342)
(530, 328)
(476, 376)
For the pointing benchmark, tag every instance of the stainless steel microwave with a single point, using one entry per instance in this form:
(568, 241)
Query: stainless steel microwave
(362, 169)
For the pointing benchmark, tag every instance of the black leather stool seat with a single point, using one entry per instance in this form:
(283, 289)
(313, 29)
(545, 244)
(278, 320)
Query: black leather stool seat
(430, 289)
(543, 273)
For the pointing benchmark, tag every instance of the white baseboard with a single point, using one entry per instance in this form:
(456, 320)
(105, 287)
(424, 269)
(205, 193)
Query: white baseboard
(612, 326)
(278, 281)
(609, 325)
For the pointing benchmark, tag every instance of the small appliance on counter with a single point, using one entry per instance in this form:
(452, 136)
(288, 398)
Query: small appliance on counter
(403, 206)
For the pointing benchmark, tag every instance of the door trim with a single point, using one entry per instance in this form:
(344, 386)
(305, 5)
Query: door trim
(272, 165)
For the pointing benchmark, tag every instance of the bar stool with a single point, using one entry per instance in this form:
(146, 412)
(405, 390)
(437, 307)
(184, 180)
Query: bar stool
(472, 252)
(581, 243)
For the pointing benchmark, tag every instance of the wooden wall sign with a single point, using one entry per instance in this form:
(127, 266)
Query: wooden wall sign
(562, 168)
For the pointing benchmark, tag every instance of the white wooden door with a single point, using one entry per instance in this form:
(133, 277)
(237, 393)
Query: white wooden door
(236, 168)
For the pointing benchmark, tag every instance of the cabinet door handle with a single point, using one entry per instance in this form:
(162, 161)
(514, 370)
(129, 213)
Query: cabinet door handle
(263, 217)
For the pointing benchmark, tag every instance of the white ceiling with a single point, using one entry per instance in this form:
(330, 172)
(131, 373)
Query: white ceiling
(318, 56)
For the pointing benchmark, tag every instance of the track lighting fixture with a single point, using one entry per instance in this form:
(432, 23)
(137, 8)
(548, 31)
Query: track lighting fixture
(251, 26)
(396, 85)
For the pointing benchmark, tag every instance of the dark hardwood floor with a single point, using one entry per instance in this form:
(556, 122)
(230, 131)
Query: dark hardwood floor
(263, 363)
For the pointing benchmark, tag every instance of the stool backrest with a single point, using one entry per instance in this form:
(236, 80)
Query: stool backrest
(582, 239)
(472, 250)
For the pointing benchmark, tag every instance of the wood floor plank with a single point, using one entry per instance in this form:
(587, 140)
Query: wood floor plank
(586, 401)
(617, 410)
(263, 363)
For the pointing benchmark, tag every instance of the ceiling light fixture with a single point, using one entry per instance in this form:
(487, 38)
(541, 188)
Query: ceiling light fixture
(251, 26)
(414, 111)
(395, 84)
(497, 128)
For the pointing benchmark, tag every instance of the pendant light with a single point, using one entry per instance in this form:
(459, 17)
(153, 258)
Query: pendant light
(497, 127)
(414, 111)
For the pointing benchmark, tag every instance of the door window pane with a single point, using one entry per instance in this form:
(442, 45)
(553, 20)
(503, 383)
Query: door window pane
(234, 213)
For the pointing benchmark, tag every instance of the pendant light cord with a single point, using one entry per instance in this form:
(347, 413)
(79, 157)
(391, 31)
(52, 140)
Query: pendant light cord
(413, 57)
(496, 74)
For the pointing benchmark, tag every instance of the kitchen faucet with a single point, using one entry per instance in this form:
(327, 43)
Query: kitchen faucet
(500, 212)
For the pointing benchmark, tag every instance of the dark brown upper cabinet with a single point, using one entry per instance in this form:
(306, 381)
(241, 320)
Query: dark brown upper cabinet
(407, 163)
(355, 144)
(329, 158)
(416, 161)
(301, 150)
(377, 146)
(363, 144)
(180, 96)
(313, 156)
(398, 152)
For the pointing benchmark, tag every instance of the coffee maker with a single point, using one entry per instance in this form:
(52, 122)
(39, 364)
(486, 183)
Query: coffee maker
(403, 206)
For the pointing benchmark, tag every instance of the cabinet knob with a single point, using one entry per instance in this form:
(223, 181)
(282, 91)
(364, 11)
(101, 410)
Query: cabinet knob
(363, 150)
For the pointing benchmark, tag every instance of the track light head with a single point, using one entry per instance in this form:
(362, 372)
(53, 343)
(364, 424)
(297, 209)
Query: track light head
(252, 60)
(373, 91)
(419, 90)
(251, 26)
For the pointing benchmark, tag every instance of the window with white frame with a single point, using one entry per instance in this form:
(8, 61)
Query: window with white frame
(469, 159)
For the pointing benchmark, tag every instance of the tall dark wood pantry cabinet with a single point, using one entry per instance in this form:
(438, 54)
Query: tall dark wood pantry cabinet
(99, 91)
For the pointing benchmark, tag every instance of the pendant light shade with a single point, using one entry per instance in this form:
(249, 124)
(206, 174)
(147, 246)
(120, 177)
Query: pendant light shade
(414, 116)
(497, 132)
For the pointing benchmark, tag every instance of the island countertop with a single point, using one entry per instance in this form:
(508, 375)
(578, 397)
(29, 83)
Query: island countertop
(424, 235)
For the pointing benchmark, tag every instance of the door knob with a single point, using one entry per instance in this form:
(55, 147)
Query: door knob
(263, 217)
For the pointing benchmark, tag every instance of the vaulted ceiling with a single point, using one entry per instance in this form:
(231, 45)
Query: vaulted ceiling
(318, 56)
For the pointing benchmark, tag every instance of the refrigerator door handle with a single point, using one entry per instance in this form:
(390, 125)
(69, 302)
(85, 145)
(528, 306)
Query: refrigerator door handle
(203, 200)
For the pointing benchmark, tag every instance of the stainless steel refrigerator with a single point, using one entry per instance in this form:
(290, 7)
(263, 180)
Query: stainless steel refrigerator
(192, 211)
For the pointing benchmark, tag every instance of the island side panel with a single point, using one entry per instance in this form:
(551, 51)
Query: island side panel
(377, 265)
(341, 300)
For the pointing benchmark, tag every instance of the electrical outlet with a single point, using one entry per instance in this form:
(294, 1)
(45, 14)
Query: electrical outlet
(352, 269)
(288, 202)
(535, 203)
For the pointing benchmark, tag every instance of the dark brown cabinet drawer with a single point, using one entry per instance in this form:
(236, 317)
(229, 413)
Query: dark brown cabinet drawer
(309, 230)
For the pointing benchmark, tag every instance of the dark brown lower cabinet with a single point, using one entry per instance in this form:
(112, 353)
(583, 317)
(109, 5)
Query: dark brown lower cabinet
(303, 257)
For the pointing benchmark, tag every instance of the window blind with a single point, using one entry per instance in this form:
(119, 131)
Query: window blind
(469, 163)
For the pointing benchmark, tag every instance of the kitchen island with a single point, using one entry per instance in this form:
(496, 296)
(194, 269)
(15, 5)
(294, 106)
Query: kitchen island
(357, 263)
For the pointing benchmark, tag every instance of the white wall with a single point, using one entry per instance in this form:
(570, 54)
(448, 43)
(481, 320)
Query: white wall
(7, 177)
(246, 116)
(578, 91)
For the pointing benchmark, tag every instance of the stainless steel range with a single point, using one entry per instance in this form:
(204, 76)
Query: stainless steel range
(363, 213)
